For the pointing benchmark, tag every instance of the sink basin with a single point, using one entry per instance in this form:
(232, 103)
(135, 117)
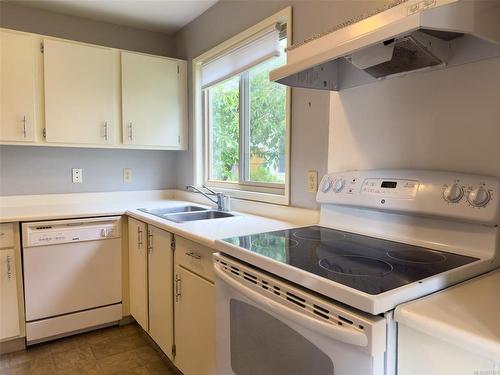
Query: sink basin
(162, 212)
(201, 215)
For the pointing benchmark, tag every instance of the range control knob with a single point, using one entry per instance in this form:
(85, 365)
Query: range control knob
(479, 197)
(326, 184)
(453, 193)
(338, 185)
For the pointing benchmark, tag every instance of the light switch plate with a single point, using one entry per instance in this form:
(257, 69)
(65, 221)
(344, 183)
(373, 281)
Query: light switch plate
(77, 175)
(312, 181)
(127, 175)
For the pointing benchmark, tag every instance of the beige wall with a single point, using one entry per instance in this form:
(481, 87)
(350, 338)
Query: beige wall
(310, 109)
(443, 120)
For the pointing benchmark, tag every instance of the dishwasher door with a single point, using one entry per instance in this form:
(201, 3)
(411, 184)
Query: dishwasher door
(71, 266)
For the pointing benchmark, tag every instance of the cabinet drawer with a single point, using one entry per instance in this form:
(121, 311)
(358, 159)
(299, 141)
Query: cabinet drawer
(195, 257)
(6, 235)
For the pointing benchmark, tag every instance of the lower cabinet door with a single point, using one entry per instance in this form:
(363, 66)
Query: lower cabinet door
(138, 278)
(9, 313)
(161, 309)
(194, 324)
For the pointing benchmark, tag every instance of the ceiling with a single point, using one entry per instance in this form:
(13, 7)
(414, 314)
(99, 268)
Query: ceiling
(165, 16)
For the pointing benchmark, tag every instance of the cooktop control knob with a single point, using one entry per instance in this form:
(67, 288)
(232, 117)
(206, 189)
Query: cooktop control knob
(326, 185)
(479, 197)
(338, 185)
(453, 193)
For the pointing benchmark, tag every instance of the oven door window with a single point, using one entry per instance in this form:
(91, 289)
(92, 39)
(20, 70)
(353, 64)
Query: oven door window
(263, 345)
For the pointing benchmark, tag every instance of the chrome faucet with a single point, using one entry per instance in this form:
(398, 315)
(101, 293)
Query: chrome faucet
(221, 200)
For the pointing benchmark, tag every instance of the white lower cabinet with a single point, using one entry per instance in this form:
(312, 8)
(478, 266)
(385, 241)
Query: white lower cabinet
(194, 324)
(9, 303)
(9, 313)
(167, 298)
(151, 282)
(138, 276)
(194, 308)
(160, 264)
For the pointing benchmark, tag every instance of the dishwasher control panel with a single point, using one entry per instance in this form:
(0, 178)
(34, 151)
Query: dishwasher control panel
(66, 231)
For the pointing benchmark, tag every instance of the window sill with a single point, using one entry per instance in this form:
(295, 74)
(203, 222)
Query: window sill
(254, 196)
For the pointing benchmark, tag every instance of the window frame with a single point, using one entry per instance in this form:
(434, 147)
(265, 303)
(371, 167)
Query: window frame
(277, 193)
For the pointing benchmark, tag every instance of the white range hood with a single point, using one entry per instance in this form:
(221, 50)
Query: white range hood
(404, 37)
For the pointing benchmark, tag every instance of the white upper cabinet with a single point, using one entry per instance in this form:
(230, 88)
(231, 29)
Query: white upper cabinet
(154, 100)
(17, 86)
(79, 86)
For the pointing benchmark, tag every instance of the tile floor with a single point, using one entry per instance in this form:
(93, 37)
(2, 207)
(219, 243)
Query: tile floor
(114, 350)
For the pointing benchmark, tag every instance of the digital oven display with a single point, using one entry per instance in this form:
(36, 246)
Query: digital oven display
(389, 184)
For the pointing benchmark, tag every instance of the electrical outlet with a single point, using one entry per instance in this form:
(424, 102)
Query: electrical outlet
(312, 181)
(77, 174)
(127, 175)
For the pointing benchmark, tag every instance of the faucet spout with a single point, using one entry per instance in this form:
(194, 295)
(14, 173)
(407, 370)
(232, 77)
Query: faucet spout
(221, 200)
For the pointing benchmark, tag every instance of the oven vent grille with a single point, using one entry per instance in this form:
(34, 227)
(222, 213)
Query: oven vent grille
(288, 295)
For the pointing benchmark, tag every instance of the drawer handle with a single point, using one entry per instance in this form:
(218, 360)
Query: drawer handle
(193, 255)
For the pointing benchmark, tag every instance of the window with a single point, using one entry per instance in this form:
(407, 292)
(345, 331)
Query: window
(245, 120)
(241, 119)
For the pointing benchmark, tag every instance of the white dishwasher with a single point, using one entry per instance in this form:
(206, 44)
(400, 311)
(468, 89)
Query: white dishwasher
(72, 276)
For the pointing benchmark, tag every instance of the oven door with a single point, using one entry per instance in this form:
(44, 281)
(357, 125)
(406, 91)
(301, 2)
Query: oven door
(268, 327)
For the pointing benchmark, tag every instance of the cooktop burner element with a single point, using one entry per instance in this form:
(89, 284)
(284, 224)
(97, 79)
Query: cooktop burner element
(355, 265)
(368, 264)
(314, 233)
(416, 256)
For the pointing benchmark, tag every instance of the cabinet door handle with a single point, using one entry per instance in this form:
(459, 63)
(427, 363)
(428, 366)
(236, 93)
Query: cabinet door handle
(130, 131)
(177, 287)
(139, 237)
(24, 126)
(193, 255)
(9, 268)
(106, 130)
(150, 241)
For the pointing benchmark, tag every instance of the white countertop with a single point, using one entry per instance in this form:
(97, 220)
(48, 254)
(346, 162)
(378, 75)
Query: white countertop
(207, 231)
(38, 208)
(466, 315)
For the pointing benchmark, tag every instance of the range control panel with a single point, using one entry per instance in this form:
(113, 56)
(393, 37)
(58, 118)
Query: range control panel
(446, 194)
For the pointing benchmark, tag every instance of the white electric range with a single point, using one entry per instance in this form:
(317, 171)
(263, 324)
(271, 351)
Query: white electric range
(319, 299)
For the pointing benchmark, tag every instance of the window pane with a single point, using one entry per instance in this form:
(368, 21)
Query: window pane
(224, 118)
(267, 123)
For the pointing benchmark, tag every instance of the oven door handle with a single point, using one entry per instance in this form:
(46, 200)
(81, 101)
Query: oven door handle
(336, 332)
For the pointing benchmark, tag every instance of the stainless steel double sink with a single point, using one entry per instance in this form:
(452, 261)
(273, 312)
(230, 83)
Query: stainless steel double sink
(181, 214)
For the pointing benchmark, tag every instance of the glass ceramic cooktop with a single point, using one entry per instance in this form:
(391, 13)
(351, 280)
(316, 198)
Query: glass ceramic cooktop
(368, 264)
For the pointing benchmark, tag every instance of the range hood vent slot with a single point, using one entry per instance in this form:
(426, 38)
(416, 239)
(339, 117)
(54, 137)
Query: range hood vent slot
(416, 51)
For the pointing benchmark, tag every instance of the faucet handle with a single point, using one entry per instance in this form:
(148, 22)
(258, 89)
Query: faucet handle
(226, 199)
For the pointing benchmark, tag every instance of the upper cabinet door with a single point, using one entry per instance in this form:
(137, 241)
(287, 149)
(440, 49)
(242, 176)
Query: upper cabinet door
(17, 86)
(154, 100)
(79, 93)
